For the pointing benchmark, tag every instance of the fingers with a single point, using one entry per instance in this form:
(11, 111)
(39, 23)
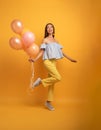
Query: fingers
(30, 60)
(73, 60)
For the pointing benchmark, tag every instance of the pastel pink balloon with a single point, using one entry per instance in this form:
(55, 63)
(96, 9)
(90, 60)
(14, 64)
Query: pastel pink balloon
(15, 43)
(33, 50)
(17, 26)
(28, 39)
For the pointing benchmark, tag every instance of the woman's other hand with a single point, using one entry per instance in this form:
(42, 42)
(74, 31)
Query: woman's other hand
(73, 60)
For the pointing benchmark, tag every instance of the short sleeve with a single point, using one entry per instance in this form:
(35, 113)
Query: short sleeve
(60, 46)
(43, 46)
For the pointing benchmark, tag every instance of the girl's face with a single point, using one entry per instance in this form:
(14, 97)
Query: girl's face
(50, 29)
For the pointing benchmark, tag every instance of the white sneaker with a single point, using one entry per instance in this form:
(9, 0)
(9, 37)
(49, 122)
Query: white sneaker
(36, 83)
(49, 106)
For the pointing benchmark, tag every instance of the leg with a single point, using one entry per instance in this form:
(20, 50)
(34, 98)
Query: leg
(50, 93)
(50, 98)
(53, 72)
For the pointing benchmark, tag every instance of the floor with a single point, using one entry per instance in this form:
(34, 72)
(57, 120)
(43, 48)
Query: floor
(68, 115)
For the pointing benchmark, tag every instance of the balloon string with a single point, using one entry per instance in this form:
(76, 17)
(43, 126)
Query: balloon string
(32, 77)
(30, 90)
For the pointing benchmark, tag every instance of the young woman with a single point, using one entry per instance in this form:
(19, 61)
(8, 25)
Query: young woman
(50, 50)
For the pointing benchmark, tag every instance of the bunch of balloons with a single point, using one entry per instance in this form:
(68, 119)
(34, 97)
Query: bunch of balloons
(26, 40)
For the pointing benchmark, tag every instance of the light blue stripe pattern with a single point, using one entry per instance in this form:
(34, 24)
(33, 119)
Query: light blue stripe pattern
(52, 50)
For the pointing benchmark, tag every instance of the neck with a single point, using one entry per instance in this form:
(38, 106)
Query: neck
(50, 35)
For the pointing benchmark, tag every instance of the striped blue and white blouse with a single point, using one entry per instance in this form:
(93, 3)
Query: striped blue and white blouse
(52, 50)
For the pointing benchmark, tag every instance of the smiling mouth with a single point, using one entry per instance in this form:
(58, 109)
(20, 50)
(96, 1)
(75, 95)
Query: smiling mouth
(50, 31)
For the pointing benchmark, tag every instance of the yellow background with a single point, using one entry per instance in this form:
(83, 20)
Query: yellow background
(78, 95)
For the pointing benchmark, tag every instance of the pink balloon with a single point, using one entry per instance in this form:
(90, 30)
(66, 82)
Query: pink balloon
(17, 26)
(33, 50)
(15, 43)
(28, 39)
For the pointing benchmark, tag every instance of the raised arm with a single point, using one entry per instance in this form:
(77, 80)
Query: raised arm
(38, 56)
(68, 57)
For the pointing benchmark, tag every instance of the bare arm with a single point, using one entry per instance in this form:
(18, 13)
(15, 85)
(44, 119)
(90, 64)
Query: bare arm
(68, 57)
(38, 56)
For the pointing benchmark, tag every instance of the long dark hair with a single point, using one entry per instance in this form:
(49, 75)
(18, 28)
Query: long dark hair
(46, 33)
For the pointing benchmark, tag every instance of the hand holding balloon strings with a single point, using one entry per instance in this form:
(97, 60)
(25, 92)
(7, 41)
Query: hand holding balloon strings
(26, 42)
